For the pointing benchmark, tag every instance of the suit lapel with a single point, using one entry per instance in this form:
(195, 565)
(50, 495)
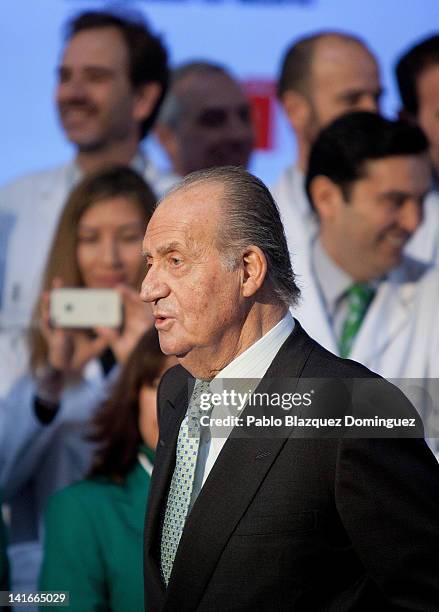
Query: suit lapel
(238, 471)
(172, 416)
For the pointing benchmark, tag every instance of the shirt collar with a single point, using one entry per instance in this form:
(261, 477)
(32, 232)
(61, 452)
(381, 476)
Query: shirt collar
(332, 280)
(255, 361)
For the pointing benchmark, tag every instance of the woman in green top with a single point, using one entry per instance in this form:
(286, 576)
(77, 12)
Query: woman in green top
(93, 542)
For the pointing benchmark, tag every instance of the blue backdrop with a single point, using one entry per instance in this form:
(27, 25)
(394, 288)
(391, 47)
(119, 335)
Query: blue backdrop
(249, 36)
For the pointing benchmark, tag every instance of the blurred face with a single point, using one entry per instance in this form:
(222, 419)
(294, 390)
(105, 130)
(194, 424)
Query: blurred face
(344, 78)
(428, 114)
(196, 301)
(109, 244)
(216, 127)
(366, 235)
(95, 100)
(148, 425)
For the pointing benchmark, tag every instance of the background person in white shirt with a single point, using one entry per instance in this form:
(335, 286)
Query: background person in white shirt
(363, 297)
(417, 74)
(112, 77)
(321, 77)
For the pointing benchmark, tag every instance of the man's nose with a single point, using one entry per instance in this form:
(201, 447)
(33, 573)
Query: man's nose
(411, 215)
(153, 287)
(74, 88)
(240, 125)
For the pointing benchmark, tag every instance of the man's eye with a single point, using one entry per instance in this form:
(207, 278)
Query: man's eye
(63, 76)
(396, 202)
(175, 261)
(98, 77)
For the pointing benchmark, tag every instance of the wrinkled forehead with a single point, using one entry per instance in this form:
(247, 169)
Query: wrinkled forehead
(189, 216)
(200, 91)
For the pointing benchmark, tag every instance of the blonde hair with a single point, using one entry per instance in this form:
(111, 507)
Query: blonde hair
(62, 259)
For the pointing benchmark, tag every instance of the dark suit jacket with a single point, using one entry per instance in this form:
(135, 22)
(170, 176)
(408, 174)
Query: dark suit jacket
(287, 523)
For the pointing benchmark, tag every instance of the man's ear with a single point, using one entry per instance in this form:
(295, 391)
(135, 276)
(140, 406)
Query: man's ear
(255, 270)
(297, 109)
(145, 99)
(326, 197)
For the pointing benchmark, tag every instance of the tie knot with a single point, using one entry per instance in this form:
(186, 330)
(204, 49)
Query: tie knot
(361, 294)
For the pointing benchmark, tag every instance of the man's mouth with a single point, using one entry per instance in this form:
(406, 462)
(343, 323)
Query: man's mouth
(162, 321)
(76, 113)
(396, 240)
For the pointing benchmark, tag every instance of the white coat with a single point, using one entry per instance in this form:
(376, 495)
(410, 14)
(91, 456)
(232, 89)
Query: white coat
(399, 337)
(299, 221)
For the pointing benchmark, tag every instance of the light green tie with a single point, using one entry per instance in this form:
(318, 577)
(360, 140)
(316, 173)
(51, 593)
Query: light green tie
(359, 298)
(180, 490)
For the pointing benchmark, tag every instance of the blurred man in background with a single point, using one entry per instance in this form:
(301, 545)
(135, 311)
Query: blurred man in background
(417, 73)
(205, 120)
(363, 298)
(322, 77)
(112, 78)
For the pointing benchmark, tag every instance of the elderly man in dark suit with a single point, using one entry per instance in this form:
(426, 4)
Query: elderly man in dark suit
(254, 514)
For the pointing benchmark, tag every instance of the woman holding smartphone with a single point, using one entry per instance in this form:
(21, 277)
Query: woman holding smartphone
(97, 245)
(93, 544)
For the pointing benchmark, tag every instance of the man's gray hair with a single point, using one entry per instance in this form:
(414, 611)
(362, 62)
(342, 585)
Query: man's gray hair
(172, 109)
(251, 217)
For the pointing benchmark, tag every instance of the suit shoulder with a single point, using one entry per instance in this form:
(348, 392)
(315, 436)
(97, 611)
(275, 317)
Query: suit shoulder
(12, 193)
(369, 391)
(172, 383)
(325, 364)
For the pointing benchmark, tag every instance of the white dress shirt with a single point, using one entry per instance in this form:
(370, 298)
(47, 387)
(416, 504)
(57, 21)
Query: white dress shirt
(250, 366)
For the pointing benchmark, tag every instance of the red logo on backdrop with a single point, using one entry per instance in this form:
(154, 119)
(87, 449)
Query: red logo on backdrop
(262, 95)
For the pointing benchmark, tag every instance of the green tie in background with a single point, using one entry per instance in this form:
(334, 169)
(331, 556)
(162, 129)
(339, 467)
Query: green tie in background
(359, 298)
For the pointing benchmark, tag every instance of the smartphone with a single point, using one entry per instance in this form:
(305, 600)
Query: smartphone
(82, 308)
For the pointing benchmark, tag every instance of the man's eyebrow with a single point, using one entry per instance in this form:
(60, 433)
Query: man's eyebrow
(166, 248)
(89, 68)
(396, 193)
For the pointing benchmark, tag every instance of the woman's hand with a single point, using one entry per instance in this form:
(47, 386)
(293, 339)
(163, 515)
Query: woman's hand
(137, 320)
(68, 349)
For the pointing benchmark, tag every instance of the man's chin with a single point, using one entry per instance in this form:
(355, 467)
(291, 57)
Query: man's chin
(171, 348)
(83, 144)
